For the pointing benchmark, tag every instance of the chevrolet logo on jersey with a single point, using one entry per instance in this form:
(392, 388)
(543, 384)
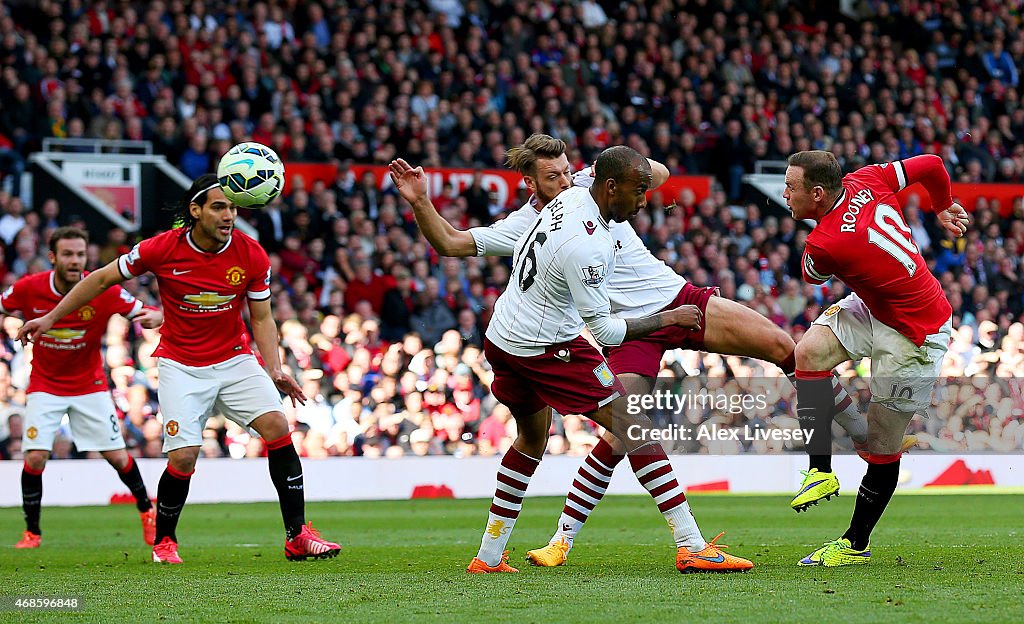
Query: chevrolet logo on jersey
(65, 334)
(208, 300)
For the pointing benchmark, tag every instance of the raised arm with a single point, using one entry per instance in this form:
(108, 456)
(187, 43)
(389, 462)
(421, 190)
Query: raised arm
(930, 171)
(659, 174)
(83, 292)
(412, 186)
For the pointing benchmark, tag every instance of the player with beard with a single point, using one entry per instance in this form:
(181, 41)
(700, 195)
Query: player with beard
(205, 270)
(540, 359)
(68, 378)
(640, 285)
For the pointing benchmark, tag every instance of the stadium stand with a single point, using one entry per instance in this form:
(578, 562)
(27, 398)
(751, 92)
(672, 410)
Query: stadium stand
(385, 334)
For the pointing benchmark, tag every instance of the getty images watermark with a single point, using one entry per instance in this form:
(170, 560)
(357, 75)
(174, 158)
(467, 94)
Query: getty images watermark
(673, 411)
(724, 412)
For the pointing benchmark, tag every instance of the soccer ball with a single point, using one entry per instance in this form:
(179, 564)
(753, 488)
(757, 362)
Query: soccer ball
(251, 175)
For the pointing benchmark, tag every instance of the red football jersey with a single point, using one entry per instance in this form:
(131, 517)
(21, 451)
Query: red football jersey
(202, 293)
(66, 360)
(864, 241)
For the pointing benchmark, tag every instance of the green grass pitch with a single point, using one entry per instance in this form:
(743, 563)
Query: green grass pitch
(949, 558)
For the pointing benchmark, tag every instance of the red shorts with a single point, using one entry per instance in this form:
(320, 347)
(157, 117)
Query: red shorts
(572, 377)
(643, 355)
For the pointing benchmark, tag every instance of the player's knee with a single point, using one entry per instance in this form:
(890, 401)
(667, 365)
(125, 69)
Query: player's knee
(271, 426)
(183, 460)
(117, 459)
(806, 355)
(617, 446)
(535, 437)
(883, 439)
(780, 346)
(36, 460)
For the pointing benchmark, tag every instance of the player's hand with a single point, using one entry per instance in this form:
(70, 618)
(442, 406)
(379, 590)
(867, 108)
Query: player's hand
(410, 182)
(150, 318)
(689, 317)
(33, 329)
(287, 385)
(954, 219)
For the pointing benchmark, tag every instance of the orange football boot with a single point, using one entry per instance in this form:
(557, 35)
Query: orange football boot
(711, 559)
(476, 566)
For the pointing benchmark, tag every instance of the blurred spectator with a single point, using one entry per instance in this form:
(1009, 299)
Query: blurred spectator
(375, 319)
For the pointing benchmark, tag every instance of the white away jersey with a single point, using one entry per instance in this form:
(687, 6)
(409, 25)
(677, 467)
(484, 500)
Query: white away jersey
(499, 239)
(639, 286)
(559, 273)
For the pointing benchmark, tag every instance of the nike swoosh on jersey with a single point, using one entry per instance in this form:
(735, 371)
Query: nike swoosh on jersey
(177, 272)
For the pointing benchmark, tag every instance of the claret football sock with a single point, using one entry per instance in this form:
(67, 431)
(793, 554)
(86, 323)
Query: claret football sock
(876, 490)
(845, 412)
(31, 497)
(788, 366)
(815, 405)
(651, 466)
(171, 494)
(286, 473)
(514, 476)
(132, 478)
(588, 488)
(847, 415)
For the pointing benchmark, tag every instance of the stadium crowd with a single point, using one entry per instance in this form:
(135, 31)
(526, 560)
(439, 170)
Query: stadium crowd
(384, 334)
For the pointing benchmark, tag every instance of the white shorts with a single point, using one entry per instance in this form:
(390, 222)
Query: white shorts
(93, 420)
(902, 373)
(238, 388)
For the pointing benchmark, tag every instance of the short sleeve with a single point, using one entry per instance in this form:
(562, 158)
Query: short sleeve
(500, 238)
(817, 265)
(138, 260)
(11, 300)
(891, 175)
(123, 302)
(587, 268)
(584, 177)
(258, 286)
